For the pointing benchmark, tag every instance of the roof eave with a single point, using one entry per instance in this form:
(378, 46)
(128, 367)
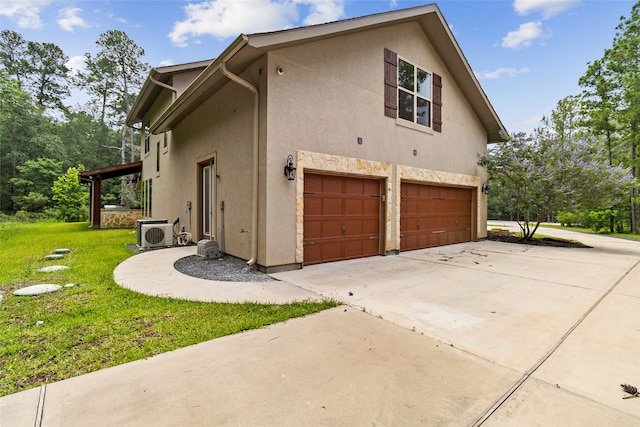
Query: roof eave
(181, 106)
(442, 39)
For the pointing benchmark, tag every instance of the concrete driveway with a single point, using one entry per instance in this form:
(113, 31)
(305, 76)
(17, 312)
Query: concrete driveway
(480, 333)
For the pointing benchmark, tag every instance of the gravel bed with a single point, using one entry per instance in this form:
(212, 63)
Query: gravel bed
(227, 268)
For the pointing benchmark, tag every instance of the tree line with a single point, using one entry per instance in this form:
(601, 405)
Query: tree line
(582, 166)
(41, 137)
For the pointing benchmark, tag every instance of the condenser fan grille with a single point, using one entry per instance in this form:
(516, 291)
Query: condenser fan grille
(154, 235)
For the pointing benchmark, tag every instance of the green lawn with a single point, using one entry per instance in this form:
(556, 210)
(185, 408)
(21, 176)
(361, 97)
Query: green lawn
(588, 230)
(98, 324)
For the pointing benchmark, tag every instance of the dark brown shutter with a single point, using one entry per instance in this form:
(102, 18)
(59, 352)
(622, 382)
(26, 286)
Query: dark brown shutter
(390, 84)
(437, 103)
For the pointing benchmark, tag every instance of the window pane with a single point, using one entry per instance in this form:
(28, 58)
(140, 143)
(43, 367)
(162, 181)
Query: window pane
(405, 75)
(405, 105)
(424, 83)
(424, 113)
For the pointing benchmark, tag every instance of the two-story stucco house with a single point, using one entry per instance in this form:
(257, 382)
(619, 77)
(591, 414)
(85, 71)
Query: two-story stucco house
(381, 116)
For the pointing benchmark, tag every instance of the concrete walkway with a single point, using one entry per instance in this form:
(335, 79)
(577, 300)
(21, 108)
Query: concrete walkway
(480, 333)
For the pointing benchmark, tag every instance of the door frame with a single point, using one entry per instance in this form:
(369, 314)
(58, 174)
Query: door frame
(210, 161)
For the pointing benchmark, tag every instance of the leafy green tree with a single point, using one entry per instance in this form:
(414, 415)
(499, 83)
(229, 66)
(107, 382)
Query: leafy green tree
(100, 83)
(23, 130)
(32, 185)
(565, 118)
(48, 76)
(71, 197)
(541, 175)
(13, 54)
(120, 61)
(120, 58)
(612, 99)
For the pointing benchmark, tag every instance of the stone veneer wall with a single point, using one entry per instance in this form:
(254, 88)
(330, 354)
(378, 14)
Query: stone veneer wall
(119, 218)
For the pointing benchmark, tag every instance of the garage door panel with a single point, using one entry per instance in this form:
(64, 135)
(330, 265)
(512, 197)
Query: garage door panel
(331, 206)
(313, 229)
(353, 207)
(349, 218)
(331, 228)
(434, 215)
(330, 184)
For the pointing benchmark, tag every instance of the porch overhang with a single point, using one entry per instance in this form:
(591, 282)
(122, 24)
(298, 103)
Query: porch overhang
(95, 177)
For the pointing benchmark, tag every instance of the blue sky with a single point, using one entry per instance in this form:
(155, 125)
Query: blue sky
(527, 54)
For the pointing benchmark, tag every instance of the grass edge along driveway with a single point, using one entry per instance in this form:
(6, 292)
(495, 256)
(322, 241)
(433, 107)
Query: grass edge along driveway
(97, 324)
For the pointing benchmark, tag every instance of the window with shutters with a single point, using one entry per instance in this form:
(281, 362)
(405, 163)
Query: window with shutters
(412, 93)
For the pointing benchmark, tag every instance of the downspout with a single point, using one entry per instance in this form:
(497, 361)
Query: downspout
(256, 164)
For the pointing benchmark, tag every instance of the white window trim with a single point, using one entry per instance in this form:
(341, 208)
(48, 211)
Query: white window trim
(404, 122)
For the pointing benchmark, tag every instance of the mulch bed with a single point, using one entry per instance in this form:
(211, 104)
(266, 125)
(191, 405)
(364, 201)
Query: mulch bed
(507, 237)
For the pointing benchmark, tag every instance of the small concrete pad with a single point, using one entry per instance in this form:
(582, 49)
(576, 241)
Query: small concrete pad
(62, 251)
(54, 256)
(152, 273)
(37, 290)
(52, 268)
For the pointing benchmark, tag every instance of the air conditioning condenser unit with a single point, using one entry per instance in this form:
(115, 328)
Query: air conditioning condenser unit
(156, 235)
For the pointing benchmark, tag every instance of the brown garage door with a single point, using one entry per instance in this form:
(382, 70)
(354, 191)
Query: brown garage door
(434, 216)
(341, 218)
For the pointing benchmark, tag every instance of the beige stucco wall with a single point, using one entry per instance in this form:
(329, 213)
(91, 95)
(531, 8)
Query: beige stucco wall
(220, 129)
(331, 93)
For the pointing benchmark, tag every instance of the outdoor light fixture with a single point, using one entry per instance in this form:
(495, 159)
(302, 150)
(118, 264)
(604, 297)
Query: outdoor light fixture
(290, 169)
(485, 188)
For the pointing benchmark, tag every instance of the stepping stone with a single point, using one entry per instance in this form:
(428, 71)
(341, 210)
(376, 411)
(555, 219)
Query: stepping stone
(37, 290)
(52, 268)
(71, 285)
(62, 251)
(1, 297)
(54, 256)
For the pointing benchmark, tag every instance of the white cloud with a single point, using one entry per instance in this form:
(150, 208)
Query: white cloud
(165, 63)
(26, 13)
(531, 121)
(523, 36)
(496, 74)
(322, 11)
(227, 18)
(547, 8)
(76, 64)
(68, 19)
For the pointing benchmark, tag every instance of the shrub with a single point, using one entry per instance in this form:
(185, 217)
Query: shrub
(568, 219)
(71, 197)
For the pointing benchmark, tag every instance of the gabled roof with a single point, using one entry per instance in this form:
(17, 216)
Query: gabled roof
(150, 90)
(245, 49)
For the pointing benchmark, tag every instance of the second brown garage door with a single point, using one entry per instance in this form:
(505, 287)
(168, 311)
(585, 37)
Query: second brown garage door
(341, 218)
(434, 216)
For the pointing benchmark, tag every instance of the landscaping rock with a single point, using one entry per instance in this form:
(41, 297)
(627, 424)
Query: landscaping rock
(52, 268)
(54, 256)
(37, 290)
